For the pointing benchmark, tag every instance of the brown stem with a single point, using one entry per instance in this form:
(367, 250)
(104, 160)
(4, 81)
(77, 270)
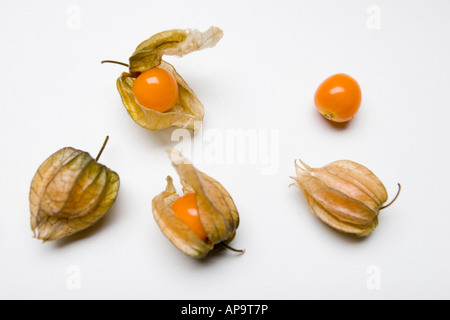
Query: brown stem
(103, 148)
(231, 248)
(398, 192)
(116, 62)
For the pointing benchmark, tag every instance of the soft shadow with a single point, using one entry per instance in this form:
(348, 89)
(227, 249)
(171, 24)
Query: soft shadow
(344, 237)
(335, 125)
(164, 138)
(161, 137)
(216, 255)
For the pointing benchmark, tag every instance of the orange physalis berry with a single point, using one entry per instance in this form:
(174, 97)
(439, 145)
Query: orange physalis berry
(186, 208)
(156, 89)
(338, 98)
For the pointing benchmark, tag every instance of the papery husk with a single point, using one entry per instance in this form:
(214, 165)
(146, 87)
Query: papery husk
(188, 111)
(70, 192)
(217, 211)
(177, 42)
(343, 194)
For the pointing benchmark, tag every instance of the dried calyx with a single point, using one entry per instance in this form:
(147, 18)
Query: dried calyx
(217, 212)
(188, 111)
(70, 192)
(344, 194)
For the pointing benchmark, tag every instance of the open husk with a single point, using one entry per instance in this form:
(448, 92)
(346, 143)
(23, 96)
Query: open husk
(343, 194)
(217, 211)
(177, 42)
(188, 111)
(70, 192)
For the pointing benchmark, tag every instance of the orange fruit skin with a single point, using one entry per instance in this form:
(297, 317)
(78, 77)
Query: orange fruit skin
(338, 97)
(185, 207)
(156, 89)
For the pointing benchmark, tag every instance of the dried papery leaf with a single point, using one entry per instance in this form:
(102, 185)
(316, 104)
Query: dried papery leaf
(70, 192)
(172, 42)
(188, 111)
(174, 228)
(217, 211)
(344, 194)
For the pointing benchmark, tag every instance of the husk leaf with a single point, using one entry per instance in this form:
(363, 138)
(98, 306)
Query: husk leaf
(172, 42)
(344, 194)
(174, 228)
(70, 192)
(217, 211)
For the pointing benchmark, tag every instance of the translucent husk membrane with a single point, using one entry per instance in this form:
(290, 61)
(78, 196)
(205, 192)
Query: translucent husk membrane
(343, 194)
(188, 111)
(217, 211)
(70, 192)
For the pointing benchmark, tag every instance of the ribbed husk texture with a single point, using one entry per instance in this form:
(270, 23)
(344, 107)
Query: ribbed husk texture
(217, 211)
(70, 192)
(344, 194)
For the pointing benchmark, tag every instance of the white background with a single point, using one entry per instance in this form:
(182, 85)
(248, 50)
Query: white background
(260, 77)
